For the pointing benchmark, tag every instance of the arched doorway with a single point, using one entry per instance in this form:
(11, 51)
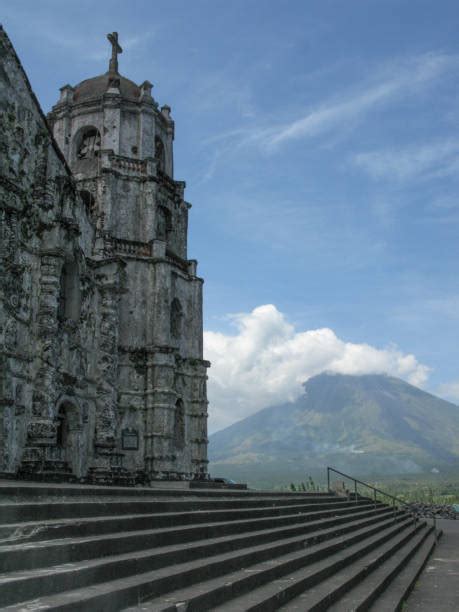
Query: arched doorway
(69, 427)
(62, 437)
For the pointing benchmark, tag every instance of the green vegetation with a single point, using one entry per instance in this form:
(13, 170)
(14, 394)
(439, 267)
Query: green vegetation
(427, 488)
(310, 486)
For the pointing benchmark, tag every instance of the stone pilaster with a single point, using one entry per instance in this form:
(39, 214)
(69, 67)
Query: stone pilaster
(41, 427)
(109, 285)
(159, 460)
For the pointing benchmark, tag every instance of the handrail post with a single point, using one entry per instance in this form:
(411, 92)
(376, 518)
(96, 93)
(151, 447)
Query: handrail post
(397, 502)
(434, 521)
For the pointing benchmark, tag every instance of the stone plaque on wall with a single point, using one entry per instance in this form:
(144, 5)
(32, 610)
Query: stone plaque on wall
(130, 439)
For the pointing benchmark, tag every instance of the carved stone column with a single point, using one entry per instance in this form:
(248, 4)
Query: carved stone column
(41, 429)
(160, 402)
(200, 440)
(109, 284)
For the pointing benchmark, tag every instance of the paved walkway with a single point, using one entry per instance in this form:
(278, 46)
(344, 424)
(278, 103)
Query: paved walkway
(437, 589)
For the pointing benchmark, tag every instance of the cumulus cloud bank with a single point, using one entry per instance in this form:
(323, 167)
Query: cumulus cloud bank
(450, 391)
(267, 360)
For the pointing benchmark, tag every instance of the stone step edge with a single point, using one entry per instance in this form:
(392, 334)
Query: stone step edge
(398, 591)
(239, 583)
(172, 500)
(8, 516)
(362, 596)
(40, 531)
(12, 583)
(363, 570)
(13, 487)
(74, 541)
(188, 571)
(270, 598)
(52, 523)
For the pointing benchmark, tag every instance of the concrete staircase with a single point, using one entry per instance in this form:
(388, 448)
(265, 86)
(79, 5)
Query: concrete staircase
(68, 547)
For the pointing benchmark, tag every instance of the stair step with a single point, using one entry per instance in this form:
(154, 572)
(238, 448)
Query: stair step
(399, 589)
(235, 592)
(77, 575)
(53, 552)
(20, 512)
(299, 590)
(355, 586)
(79, 527)
(31, 490)
(115, 595)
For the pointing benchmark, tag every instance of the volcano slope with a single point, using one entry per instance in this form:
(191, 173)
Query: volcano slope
(372, 424)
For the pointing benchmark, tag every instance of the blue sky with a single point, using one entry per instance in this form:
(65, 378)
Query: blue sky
(320, 145)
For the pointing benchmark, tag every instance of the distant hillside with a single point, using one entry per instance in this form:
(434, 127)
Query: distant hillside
(371, 424)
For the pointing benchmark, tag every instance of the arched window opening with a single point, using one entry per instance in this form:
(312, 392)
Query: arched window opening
(176, 319)
(179, 425)
(62, 437)
(68, 428)
(88, 200)
(163, 223)
(89, 145)
(160, 153)
(70, 293)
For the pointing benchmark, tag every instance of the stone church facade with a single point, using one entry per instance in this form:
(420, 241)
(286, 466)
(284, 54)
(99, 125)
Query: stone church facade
(102, 376)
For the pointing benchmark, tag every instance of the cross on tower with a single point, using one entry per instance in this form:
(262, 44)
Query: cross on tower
(113, 39)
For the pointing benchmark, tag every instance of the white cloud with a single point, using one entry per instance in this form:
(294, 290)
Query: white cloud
(267, 360)
(399, 79)
(450, 391)
(216, 91)
(395, 80)
(433, 160)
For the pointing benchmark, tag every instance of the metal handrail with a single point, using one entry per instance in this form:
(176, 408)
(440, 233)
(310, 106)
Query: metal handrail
(375, 491)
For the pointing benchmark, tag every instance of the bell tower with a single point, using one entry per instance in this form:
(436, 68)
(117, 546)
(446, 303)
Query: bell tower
(118, 143)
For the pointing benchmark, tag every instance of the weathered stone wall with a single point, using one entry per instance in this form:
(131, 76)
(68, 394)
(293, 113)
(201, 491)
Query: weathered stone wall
(102, 373)
(45, 348)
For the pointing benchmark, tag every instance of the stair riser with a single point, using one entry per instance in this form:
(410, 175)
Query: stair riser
(23, 492)
(289, 593)
(211, 599)
(39, 512)
(124, 597)
(82, 528)
(377, 590)
(44, 556)
(37, 587)
(335, 595)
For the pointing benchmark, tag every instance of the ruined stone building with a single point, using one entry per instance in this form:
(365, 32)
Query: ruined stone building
(102, 374)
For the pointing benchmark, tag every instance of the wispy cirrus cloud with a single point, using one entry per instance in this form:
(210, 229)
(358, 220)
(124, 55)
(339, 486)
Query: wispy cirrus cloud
(66, 36)
(400, 79)
(434, 160)
(395, 80)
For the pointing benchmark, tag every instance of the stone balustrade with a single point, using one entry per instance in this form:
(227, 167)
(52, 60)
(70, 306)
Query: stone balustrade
(127, 247)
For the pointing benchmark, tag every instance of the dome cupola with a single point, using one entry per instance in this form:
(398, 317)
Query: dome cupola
(111, 114)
